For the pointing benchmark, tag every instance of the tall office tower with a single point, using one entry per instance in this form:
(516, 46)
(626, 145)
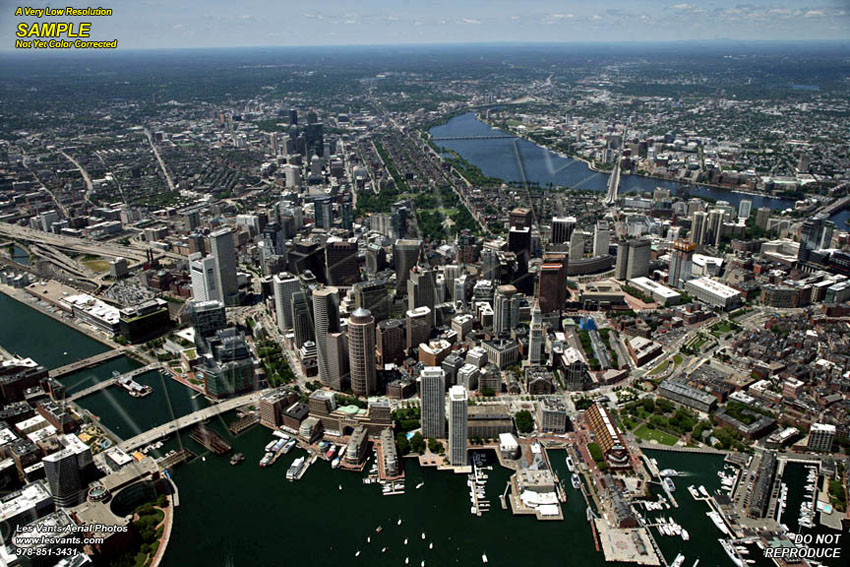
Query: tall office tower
(681, 263)
(640, 252)
(405, 256)
(519, 242)
(204, 282)
(341, 262)
(312, 117)
(521, 217)
(536, 336)
(390, 339)
(67, 471)
(302, 321)
(418, 323)
(421, 290)
(293, 175)
(451, 273)
(562, 229)
(337, 355)
(459, 289)
(326, 321)
(505, 309)
(284, 284)
(622, 259)
(293, 116)
(552, 283)
(432, 386)
(376, 258)
(221, 246)
(274, 238)
(714, 226)
(323, 211)
(208, 317)
(815, 234)
(577, 245)
(398, 221)
(346, 214)
(745, 207)
(762, 216)
(699, 220)
(372, 295)
(440, 289)
(489, 265)
(601, 238)
(457, 426)
(228, 365)
(361, 352)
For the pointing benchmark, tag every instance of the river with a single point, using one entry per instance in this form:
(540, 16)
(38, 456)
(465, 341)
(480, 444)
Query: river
(516, 159)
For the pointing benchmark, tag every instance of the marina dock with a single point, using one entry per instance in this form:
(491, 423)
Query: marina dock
(210, 440)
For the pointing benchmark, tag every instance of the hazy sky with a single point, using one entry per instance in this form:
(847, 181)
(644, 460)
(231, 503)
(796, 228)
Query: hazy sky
(226, 23)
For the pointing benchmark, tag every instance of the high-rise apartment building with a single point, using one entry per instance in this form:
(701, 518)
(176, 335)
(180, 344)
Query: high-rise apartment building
(433, 393)
(361, 352)
(458, 426)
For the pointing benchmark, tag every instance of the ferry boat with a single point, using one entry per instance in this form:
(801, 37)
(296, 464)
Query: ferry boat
(278, 445)
(335, 463)
(267, 458)
(281, 435)
(289, 445)
(270, 445)
(295, 469)
(718, 521)
(730, 551)
(576, 481)
(668, 483)
(570, 464)
(669, 472)
(678, 561)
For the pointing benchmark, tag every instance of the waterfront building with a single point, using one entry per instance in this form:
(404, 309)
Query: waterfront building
(821, 436)
(68, 470)
(552, 415)
(228, 366)
(144, 321)
(273, 405)
(433, 391)
(762, 488)
(361, 352)
(208, 317)
(458, 425)
(358, 447)
(389, 453)
(607, 436)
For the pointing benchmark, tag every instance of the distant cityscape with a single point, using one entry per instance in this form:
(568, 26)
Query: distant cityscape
(433, 260)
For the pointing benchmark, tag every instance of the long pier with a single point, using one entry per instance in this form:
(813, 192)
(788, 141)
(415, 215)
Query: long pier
(188, 420)
(86, 363)
(111, 382)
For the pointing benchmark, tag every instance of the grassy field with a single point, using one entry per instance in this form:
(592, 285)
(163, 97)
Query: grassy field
(648, 434)
(96, 265)
(660, 368)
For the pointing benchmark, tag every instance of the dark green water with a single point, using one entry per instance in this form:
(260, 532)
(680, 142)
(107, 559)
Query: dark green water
(127, 416)
(20, 256)
(245, 515)
(27, 332)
